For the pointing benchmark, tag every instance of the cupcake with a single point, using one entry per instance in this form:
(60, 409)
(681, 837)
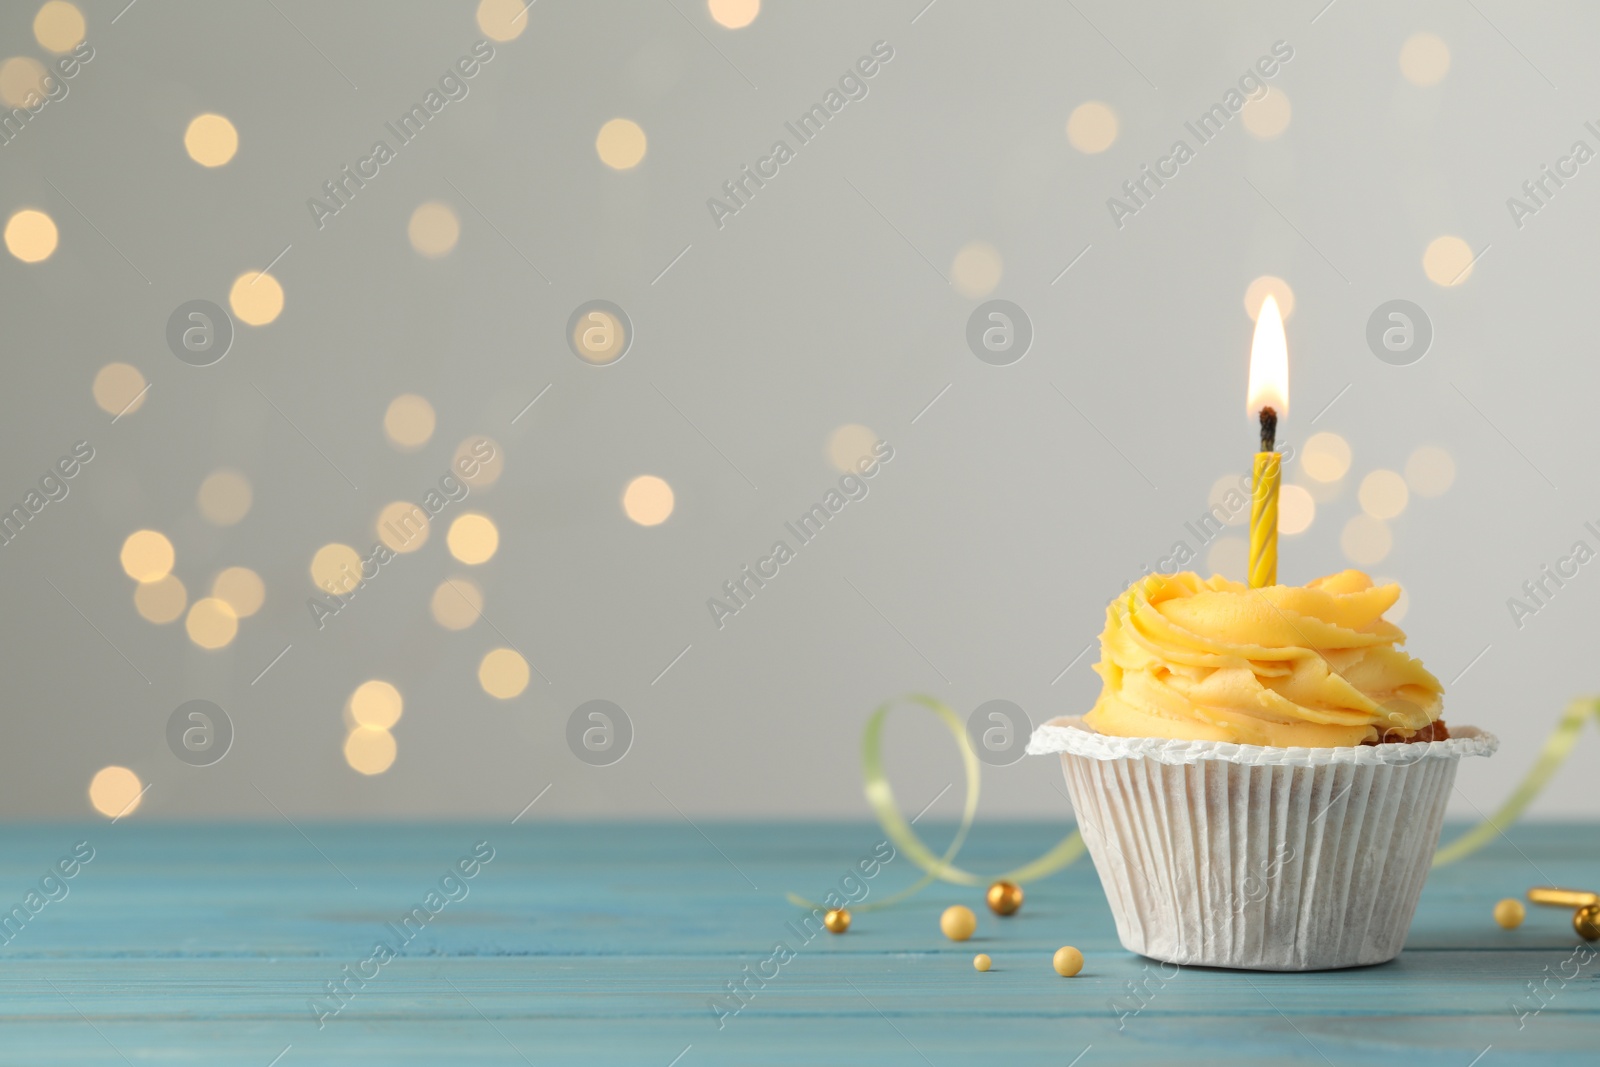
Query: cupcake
(1262, 781)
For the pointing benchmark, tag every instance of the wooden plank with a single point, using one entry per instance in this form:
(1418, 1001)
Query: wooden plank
(609, 942)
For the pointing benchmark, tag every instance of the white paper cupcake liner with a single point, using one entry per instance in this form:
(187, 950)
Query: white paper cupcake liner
(1243, 856)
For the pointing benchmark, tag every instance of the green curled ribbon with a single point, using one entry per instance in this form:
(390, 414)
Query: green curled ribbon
(1071, 848)
(899, 832)
(1557, 747)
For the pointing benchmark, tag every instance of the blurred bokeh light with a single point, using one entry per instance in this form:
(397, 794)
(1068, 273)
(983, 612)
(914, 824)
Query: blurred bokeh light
(1424, 59)
(31, 235)
(976, 270)
(211, 623)
(225, 497)
(115, 791)
(503, 673)
(59, 26)
(1325, 457)
(621, 144)
(147, 555)
(211, 140)
(648, 500)
(1092, 127)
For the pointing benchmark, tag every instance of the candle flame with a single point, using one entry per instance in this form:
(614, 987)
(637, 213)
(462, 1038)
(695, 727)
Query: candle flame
(1269, 363)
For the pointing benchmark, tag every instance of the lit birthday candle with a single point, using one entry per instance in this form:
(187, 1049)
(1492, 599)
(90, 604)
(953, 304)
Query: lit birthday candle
(1268, 402)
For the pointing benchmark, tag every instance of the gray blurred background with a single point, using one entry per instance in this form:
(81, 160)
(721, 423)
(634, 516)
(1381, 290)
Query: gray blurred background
(1019, 499)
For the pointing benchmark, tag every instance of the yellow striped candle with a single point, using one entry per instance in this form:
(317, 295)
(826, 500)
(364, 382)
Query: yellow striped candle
(1268, 401)
(1264, 520)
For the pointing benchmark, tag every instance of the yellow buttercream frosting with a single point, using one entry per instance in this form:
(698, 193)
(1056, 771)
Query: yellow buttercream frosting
(1208, 659)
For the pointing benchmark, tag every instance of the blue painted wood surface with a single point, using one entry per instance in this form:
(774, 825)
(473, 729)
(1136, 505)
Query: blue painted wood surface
(608, 943)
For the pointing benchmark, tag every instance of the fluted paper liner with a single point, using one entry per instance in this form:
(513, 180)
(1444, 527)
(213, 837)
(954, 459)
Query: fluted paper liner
(1258, 858)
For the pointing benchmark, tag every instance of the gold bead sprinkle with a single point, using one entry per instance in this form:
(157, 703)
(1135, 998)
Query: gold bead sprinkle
(1509, 913)
(1587, 922)
(837, 921)
(1068, 961)
(1005, 898)
(958, 922)
(1563, 898)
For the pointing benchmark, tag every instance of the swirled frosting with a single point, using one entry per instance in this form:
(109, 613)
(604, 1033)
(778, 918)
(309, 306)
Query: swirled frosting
(1208, 659)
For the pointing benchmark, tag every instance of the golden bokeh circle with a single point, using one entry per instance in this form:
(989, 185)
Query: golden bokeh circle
(256, 298)
(241, 589)
(119, 389)
(147, 556)
(599, 336)
(22, 80)
(976, 270)
(376, 704)
(1323, 492)
(162, 600)
(502, 20)
(409, 422)
(734, 14)
(1092, 127)
(434, 229)
(369, 750)
(648, 500)
(211, 623)
(31, 235)
(1424, 59)
(469, 465)
(403, 526)
(1268, 115)
(336, 568)
(210, 140)
(473, 538)
(1383, 494)
(59, 26)
(1325, 457)
(1366, 540)
(457, 603)
(1297, 510)
(115, 791)
(503, 673)
(1256, 293)
(621, 144)
(1430, 471)
(225, 497)
(1447, 261)
(849, 446)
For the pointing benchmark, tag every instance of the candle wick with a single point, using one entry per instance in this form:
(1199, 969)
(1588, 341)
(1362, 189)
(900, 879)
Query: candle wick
(1269, 430)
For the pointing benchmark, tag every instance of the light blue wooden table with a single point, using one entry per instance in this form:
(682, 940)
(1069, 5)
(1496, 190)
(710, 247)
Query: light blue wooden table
(607, 943)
